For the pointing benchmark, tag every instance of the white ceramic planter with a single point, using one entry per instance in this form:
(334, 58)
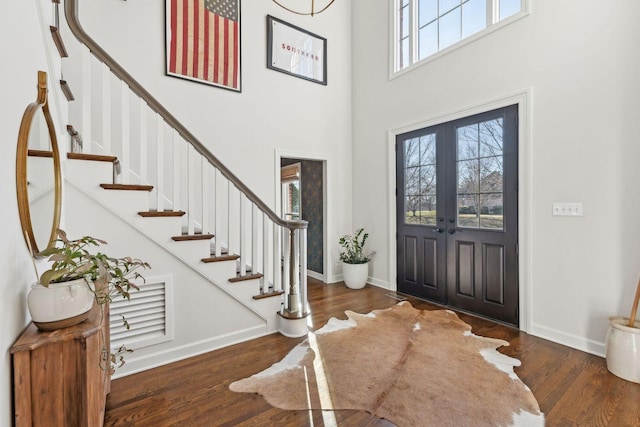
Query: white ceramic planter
(60, 305)
(355, 275)
(623, 349)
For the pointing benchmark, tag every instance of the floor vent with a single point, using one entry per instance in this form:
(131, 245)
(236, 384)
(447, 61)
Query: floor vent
(148, 313)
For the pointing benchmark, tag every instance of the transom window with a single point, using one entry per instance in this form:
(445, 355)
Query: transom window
(425, 27)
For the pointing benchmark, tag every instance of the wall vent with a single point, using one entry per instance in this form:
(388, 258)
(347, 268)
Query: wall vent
(149, 313)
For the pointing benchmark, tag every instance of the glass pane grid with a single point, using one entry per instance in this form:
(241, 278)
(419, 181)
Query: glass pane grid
(480, 175)
(420, 180)
(443, 23)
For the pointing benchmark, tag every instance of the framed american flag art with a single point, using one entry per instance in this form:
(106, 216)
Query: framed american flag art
(203, 41)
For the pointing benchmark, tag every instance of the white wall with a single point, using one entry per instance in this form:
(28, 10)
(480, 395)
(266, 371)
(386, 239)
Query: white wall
(24, 54)
(580, 61)
(274, 111)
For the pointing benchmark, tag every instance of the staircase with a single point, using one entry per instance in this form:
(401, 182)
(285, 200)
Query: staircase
(138, 169)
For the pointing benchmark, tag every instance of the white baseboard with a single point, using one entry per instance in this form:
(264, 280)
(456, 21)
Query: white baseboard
(160, 358)
(316, 275)
(574, 341)
(380, 283)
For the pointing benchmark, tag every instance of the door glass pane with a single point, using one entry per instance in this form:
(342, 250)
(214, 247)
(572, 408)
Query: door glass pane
(467, 139)
(468, 210)
(412, 152)
(412, 209)
(490, 138)
(468, 176)
(428, 149)
(480, 174)
(420, 180)
(428, 210)
(491, 211)
(491, 175)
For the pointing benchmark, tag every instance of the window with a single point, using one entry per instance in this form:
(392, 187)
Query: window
(426, 27)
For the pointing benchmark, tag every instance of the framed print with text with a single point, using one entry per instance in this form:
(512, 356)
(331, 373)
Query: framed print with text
(297, 52)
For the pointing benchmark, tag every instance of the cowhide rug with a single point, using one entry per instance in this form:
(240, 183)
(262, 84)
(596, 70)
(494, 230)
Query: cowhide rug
(411, 367)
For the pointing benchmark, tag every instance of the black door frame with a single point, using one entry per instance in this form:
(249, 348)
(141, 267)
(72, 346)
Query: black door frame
(523, 101)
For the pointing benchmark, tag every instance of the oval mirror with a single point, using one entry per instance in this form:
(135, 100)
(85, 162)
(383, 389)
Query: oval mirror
(38, 177)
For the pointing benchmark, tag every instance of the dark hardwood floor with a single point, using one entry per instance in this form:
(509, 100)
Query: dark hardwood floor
(572, 387)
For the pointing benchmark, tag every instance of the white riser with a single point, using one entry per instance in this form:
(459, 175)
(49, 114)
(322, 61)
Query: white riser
(89, 173)
(160, 228)
(192, 251)
(221, 271)
(126, 203)
(245, 290)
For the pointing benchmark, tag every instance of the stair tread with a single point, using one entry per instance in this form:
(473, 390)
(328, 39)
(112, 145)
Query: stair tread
(160, 214)
(127, 187)
(268, 294)
(247, 277)
(221, 258)
(91, 157)
(189, 237)
(39, 153)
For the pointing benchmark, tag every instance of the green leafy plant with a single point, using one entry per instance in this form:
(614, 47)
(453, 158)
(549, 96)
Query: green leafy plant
(353, 248)
(107, 277)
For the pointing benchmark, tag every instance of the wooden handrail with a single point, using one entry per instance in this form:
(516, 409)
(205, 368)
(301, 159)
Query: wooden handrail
(71, 13)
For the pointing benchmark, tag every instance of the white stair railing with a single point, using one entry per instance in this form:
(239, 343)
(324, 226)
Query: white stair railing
(154, 148)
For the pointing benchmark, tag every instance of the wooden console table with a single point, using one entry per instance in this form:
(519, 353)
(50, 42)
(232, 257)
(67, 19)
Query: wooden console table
(58, 379)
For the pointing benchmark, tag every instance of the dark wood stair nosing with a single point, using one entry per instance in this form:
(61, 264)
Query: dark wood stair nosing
(268, 295)
(191, 237)
(92, 157)
(57, 40)
(247, 277)
(127, 187)
(39, 153)
(160, 214)
(66, 90)
(220, 258)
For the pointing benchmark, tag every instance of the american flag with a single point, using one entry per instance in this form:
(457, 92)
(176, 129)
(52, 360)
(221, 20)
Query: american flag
(205, 40)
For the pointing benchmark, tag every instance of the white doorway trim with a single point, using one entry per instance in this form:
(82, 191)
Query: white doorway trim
(279, 154)
(523, 99)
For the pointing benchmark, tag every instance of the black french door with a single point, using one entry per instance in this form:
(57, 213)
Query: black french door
(457, 213)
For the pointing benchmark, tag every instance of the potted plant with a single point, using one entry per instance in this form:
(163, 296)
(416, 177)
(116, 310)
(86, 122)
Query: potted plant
(76, 279)
(355, 264)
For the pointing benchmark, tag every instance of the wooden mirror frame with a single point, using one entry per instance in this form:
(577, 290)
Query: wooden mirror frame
(22, 155)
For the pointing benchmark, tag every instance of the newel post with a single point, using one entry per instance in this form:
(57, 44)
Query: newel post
(293, 315)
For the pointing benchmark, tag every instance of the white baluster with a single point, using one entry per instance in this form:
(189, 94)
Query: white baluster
(265, 253)
(191, 190)
(106, 110)
(243, 236)
(278, 253)
(205, 190)
(159, 163)
(144, 137)
(86, 100)
(126, 136)
(218, 209)
(176, 144)
(255, 241)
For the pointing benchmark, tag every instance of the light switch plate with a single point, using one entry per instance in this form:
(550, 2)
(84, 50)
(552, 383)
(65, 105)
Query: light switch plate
(567, 209)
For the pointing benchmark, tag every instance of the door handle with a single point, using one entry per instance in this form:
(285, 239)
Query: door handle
(437, 230)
